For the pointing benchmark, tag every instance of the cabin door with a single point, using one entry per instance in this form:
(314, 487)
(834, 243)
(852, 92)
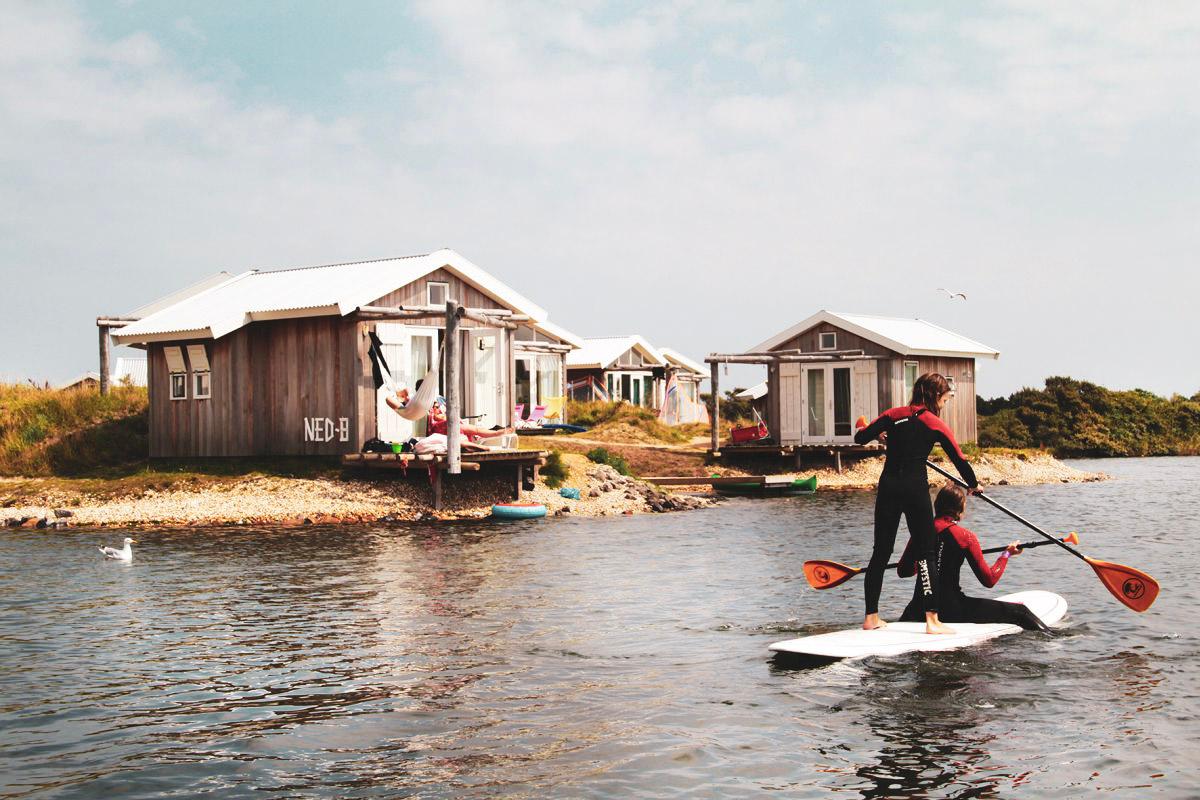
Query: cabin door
(487, 387)
(408, 351)
(827, 403)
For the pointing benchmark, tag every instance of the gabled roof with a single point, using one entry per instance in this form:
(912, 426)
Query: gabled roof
(680, 360)
(603, 352)
(910, 337)
(307, 292)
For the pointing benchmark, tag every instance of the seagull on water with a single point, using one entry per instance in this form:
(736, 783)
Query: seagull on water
(953, 295)
(125, 554)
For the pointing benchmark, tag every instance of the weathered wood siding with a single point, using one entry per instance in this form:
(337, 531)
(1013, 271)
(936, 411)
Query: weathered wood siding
(809, 341)
(417, 293)
(266, 379)
(959, 413)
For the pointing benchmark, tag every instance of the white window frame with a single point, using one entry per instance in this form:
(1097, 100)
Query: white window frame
(183, 383)
(429, 292)
(906, 387)
(821, 340)
(196, 384)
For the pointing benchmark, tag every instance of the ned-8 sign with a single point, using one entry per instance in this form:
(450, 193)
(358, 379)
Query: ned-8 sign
(324, 429)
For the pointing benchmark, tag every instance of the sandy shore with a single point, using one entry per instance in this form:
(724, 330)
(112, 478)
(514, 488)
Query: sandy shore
(261, 500)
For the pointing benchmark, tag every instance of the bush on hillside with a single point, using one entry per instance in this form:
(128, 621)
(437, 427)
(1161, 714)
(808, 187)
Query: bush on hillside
(1077, 418)
(70, 431)
(601, 456)
(556, 470)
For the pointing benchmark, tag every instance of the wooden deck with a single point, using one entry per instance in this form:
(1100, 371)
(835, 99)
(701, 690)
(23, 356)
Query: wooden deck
(728, 480)
(525, 464)
(796, 452)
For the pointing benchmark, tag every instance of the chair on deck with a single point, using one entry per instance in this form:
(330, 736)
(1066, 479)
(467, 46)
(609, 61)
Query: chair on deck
(536, 417)
(554, 408)
(518, 413)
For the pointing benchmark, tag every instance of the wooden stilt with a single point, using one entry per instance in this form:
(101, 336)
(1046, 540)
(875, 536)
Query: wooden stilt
(438, 477)
(837, 454)
(715, 385)
(453, 400)
(520, 478)
(104, 350)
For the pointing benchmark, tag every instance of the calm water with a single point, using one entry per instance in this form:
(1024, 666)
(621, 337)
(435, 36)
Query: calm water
(609, 658)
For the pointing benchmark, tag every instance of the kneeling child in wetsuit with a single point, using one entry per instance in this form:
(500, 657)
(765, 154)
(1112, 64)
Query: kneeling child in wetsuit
(956, 544)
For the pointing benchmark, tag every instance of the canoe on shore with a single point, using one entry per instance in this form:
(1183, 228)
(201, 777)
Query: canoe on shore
(770, 488)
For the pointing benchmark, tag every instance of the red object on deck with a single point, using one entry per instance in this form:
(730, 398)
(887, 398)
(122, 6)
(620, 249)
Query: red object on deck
(753, 434)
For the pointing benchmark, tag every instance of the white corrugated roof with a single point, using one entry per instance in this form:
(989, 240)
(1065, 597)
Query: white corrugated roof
(558, 332)
(754, 392)
(910, 337)
(308, 291)
(681, 360)
(602, 352)
(133, 368)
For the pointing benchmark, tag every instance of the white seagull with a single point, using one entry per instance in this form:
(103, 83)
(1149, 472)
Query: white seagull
(120, 555)
(953, 295)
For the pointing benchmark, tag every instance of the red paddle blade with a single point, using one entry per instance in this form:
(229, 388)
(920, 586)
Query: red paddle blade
(827, 574)
(1131, 586)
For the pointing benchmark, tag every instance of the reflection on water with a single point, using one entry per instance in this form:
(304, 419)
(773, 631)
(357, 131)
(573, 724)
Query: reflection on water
(617, 657)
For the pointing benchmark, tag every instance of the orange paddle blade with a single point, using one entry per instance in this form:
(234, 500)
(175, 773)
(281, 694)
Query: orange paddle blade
(1131, 586)
(1071, 538)
(827, 574)
(860, 423)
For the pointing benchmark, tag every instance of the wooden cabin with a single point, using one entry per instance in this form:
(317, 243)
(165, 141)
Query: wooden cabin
(615, 368)
(277, 362)
(629, 368)
(825, 372)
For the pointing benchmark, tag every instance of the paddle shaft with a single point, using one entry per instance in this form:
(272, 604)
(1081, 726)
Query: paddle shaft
(1012, 514)
(1021, 546)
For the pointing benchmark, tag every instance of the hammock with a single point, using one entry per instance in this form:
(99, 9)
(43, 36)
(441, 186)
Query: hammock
(419, 402)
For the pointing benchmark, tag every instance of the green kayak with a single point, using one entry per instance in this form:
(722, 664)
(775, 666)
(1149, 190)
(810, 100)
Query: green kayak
(783, 488)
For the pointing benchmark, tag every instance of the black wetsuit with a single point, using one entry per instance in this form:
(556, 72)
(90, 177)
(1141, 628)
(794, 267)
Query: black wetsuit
(912, 431)
(955, 545)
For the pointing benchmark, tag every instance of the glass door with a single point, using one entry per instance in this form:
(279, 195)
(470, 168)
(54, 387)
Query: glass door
(828, 402)
(485, 384)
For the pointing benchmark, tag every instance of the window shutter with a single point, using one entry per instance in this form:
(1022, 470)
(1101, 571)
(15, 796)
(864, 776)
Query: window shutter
(174, 357)
(198, 356)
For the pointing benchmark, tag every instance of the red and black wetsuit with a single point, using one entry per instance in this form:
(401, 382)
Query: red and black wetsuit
(912, 431)
(955, 545)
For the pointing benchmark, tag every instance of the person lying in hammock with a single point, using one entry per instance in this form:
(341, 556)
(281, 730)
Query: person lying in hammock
(436, 421)
(956, 545)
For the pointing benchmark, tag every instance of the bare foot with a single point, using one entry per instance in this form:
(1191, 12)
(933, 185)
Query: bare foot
(935, 625)
(872, 622)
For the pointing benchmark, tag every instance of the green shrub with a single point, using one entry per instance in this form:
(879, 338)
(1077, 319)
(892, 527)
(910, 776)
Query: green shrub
(556, 470)
(602, 456)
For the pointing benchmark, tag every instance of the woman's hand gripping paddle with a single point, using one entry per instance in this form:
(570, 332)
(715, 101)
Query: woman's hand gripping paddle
(828, 574)
(1131, 586)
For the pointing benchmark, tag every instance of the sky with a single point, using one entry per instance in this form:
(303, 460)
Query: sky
(703, 174)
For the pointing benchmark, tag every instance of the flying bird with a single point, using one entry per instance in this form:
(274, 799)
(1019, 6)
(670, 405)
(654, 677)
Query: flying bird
(953, 295)
(125, 554)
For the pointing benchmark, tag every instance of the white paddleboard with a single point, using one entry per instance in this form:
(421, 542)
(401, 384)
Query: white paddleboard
(906, 637)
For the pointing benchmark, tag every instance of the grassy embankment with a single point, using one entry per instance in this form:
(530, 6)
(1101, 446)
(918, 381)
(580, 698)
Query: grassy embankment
(82, 441)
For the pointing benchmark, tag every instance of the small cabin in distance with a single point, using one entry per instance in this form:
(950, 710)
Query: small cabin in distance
(828, 370)
(629, 368)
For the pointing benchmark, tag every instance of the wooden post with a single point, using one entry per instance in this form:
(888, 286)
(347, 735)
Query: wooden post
(453, 401)
(837, 454)
(519, 479)
(715, 385)
(436, 472)
(104, 345)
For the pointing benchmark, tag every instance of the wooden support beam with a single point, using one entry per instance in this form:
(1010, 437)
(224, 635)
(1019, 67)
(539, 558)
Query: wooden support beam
(453, 401)
(740, 358)
(105, 344)
(520, 478)
(437, 478)
(483, 319)
(714, 383)
(114, 322)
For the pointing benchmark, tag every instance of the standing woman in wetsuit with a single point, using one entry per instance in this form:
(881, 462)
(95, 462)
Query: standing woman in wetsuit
(910, 433)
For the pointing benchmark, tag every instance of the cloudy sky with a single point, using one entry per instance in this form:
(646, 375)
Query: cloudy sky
(699, 173)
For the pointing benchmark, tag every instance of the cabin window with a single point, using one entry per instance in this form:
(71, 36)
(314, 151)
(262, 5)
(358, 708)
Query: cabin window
(950, 381)
(910, 379)
(828, 341)
(549, 377)
(178, 372)
(437, 292)
(609, 378)
(201, 376)
(201, 385)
